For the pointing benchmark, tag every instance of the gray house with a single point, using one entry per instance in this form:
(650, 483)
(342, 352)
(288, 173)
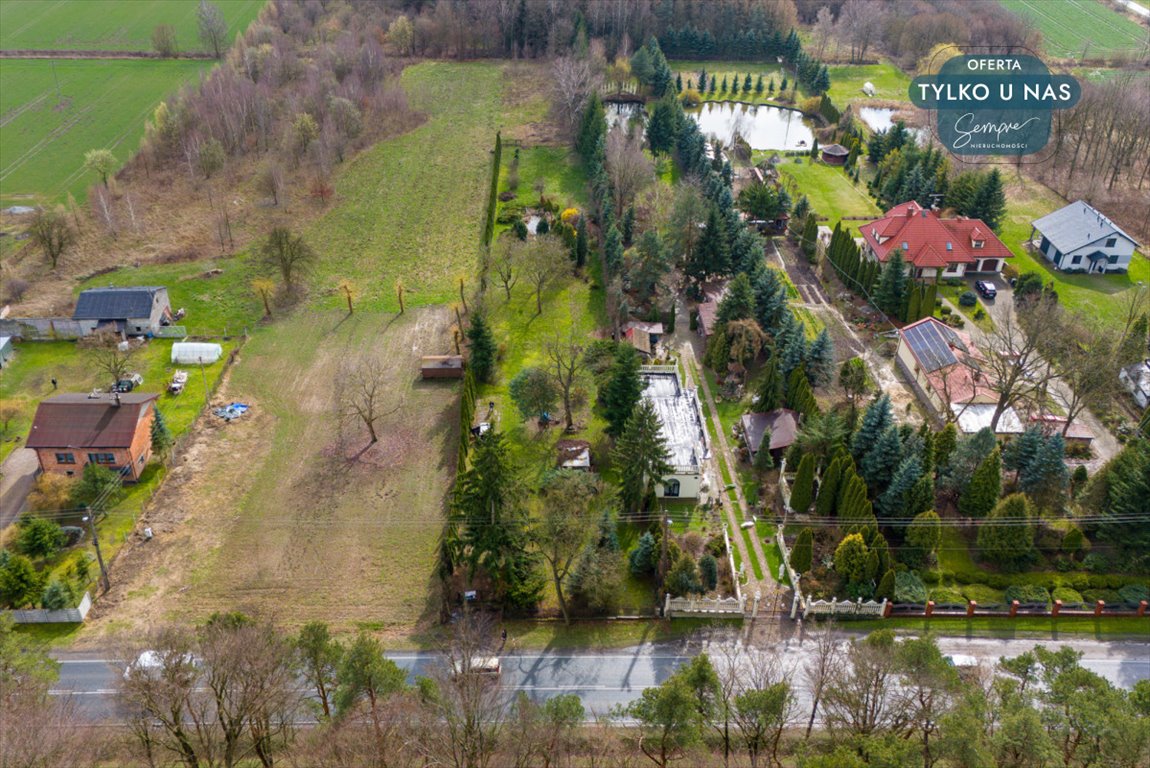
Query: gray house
(136, 311)
(1078, 238)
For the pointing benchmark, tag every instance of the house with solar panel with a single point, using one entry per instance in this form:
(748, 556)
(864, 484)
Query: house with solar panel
(933, 246)
(1078, 238)
(943, 367)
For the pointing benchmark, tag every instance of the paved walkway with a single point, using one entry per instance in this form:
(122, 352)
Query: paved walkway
(17, 474)
(691, 347)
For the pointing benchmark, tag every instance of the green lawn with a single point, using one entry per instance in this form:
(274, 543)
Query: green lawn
(101, 104)
(953, 293)
(847, 80)
(830, 191)
(1096, 296)
(111, 25)
(1081, 28)
(585, 635)
(411, 208)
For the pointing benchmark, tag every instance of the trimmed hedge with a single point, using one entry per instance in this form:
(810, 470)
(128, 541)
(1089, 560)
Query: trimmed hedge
(1067, 595)
(948, 595)
(908, 588)
(1132, 594)
(1110, 596)
(982, 594)
(1027, 593)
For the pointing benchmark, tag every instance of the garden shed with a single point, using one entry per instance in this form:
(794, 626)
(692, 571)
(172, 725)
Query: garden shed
(195, 352)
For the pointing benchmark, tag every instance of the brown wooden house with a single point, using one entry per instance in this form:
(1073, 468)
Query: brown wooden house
(441, 367)
(115, 431)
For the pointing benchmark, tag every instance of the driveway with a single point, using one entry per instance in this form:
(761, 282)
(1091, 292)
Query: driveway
(17, 474)
(1001, 310)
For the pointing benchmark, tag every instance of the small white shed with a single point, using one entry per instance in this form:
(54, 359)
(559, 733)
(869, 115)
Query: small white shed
(195, 352)
(868, 88)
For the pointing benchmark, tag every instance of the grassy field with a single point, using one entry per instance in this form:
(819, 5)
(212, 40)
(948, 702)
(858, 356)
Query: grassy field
(1095, 296)
(411, 208)
(830, 191)
(1081, 28)
(847, 80)
(108, 25)
(1104, 628)
(101, 104)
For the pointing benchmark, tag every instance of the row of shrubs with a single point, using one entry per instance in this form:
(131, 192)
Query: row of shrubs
(1076, 581)
(1129, 596)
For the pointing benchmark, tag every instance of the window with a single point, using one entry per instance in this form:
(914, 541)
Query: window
(949, 246)
(1112, 242)
(671, 487)
(905, 245)
(978, 243)
(102, 458)
(1075, 260)
(65, 458)
(1113, 259)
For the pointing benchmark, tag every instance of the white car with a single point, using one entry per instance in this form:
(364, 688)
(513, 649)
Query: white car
(478, 665)
(151, 662)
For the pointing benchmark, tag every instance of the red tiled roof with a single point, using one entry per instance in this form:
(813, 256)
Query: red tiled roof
(926, 235)
(78, 421)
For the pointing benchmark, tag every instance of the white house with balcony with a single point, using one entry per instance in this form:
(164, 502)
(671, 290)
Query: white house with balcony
(1077, 238)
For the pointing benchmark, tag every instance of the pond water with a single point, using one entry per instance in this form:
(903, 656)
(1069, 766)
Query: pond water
(882, 119)
(763, 126)
(619, 112)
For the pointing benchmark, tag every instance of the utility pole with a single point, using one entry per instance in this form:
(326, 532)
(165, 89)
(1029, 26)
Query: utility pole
(90, 518)
(207, 394)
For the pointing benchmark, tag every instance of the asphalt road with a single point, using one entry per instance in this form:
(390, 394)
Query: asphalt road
(607, 679)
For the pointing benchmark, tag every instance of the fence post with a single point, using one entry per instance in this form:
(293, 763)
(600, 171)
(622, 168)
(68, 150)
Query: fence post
(1098, 607)
(970, 606)
(667, 605)
(834, 605)
(1013, 608)
(886, 608)
(929, 607)
(1057, 608)
(1141, 608)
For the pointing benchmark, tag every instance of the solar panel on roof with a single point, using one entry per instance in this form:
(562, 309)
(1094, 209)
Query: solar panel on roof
(930, 346)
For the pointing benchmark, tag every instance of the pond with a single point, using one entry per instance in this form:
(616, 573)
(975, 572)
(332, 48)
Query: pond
(762, 125)
(620, 112)
(882, 119)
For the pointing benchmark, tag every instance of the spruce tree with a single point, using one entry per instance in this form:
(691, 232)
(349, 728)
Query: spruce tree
(678, 83)
(641, 453)
(627, 227)
(810, 236)
(771, 87)
(711, 256)
(800, 398)
(759, 86)
(802, 491)
(764, 462)
(792, 344)
(990, 201)
(747, 83)
(1045, 478)
(944, 444)
(802, 551)
(613, 251)
(481, 344)
(161, 435)
(891, 292)
(877, 419)
(739, 301)
(921, 496)
(723, 89)
(592, 128)
(985, 485)
(771, 386)
(623, 389)
(881, 461)
(885, 589)
(1021, 451)
(892, 503)
(821, 360)
(582, 244)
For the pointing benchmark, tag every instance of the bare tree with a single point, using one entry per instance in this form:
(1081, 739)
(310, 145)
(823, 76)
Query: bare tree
(861, 696)
(1011, 363)
(566, 356)
(363, 393)
(762, 702)
(507, 265)
(213, 28)
(1087, 357)
(573, 80)
(164, 40)
(569, 511)
(264, 288)
(859, 23)
(628, 167)
(288, 253)
(109, 355)
(541, 264)
(817, 671)
(822, 30)
(51, 232)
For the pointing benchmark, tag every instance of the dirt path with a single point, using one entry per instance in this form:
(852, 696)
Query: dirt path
(17, 475)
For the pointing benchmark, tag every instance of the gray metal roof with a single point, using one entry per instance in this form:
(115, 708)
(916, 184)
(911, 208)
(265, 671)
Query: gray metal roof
(1076, 225)
(931, 343)
(115, 303)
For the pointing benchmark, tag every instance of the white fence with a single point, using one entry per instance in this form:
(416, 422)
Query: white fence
(702, 607)
(834, 607)
(731, 563)
(44, 616)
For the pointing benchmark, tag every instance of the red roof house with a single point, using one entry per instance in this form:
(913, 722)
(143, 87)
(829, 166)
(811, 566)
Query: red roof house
(72, 430)
(933, 246)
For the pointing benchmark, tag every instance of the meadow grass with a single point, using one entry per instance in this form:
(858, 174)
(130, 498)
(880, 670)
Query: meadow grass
(1081, 28)
(847, 81)
(109, 25)
(101, 104)
(830, 191)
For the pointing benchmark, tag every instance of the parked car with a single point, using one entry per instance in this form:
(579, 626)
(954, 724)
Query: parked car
(986, 289)
(476, 665)
(129, 383)
(151, 663)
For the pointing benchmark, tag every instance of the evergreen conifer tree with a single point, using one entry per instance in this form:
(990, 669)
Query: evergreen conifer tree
(1007, 537)
(880, 462)
(885, 589)
(161, 435)
(747, 83)
(985, 485)
(877, 418)
(802, 551)
(759, 86)
(802, 492)
(764, 462)
(481, 343)
(829, 489)
(891, 292)
(944, 444)
(623, 389)
(581, 243)
(771, 387)
(921, 496)
(641, 453)
(810, 236)
(821, 360)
